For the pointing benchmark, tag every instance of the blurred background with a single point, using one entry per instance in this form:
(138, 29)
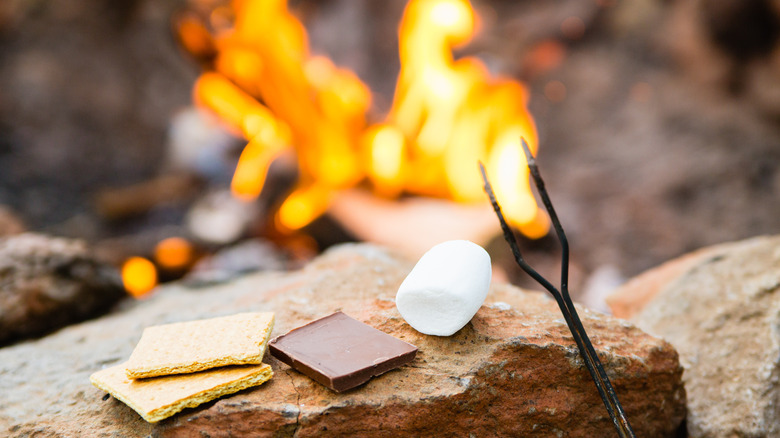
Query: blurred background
(657, 125)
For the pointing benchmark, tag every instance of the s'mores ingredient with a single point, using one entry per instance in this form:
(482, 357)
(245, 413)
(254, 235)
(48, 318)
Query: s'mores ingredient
(445, 288)
(192, 346)
(340, 352)
(160, 397)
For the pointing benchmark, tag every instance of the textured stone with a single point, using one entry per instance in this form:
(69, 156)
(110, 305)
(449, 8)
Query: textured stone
(634, 295)
(47, 283)
(720, 308)
(512, 371)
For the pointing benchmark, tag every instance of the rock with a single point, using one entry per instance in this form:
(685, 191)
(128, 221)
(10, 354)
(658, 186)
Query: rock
(512, 371)
(248, 255)
(633, 296)
(720, 308)
(219, 218)
(10, 223)
(47, 283)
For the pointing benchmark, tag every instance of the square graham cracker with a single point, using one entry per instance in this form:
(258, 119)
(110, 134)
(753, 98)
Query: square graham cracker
(188, 347)
(160, 397)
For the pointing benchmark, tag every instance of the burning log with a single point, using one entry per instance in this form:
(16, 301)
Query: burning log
(411, 225)
(121, 203)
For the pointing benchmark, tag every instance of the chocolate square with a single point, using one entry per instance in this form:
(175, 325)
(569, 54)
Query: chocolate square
(341, 352)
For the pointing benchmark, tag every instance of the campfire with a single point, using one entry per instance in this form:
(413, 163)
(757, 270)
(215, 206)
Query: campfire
(447, 114)
(263, 84)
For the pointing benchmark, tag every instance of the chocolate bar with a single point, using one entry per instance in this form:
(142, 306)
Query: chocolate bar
(340, 352)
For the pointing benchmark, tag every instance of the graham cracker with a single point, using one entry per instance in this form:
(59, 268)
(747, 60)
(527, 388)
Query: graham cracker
(188, 347)
(160, 397)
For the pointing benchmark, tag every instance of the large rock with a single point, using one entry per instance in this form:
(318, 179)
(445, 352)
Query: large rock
(720, 307)
(513, 371)
(47, 283)
(630, 298)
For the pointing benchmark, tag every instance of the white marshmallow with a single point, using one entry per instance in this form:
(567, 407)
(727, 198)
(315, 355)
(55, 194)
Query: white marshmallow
(445, 288)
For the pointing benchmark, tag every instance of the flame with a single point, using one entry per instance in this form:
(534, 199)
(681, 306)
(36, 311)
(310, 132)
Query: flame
(139, 276)
(446, 115)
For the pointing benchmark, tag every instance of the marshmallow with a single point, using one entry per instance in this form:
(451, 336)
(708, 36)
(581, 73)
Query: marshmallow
(445, 288)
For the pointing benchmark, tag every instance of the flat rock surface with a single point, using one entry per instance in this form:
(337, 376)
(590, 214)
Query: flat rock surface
(722, 313)
(512, 371)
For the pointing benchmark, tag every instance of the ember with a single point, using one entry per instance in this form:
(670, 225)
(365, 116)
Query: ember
(265, 85)
(139, 276)
(174, 253)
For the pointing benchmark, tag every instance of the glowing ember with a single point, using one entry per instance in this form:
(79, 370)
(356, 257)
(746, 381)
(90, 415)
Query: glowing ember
(447, 114)
(139, 276)
(173, 253)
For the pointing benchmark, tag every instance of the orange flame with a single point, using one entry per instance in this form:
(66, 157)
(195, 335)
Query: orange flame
(447, 114)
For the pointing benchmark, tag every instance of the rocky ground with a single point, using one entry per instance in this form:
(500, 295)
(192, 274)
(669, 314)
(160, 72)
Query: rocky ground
(514, 370)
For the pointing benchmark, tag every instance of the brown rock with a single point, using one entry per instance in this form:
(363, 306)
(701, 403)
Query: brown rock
(720, 308)
(634, 295)
(10, 223)
(47, 283)
(513, 371)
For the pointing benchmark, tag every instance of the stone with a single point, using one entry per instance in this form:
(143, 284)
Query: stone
(630, 298)
(512, 371)
(720, 308)
(233, 261)
(47, 283)
(10, 223)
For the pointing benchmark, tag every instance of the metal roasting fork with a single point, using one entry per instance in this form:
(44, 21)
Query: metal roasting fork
(562, 297)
